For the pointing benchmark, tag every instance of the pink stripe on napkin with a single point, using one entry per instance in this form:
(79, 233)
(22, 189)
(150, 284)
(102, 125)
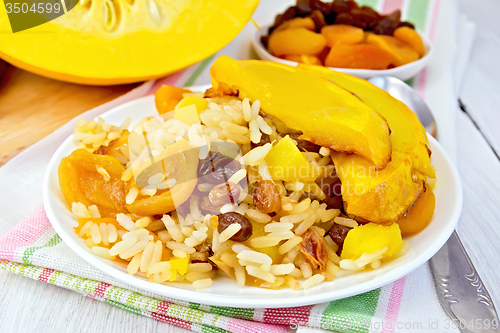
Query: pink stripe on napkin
(163, 307)
(24, 234)
(174, 321)
(47, 272)
(100, 290)
(391, 6)
(286, 316)
(394, 305)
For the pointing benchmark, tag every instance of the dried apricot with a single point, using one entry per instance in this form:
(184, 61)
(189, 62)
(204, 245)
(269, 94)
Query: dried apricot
(411, 37)
(178, 162)
(304, 59)
(358, 56)
(402, 54)
(342, 33)
(298, 22)
(296, 41)
(93, 179)
(420, 215)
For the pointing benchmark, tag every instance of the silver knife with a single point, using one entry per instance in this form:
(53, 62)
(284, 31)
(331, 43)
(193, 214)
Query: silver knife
(460, 289)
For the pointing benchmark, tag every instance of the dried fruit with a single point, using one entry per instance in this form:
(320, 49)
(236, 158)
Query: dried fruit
(80, 181)
(314, 250)
(412, 38)
(224, 193)
(304, 59)
(298, 22)
(358, 56)
(225, 220)
(402, 53)
(338, 234)
(388, 24)
(266, 197)
(341, 33)
(419, 215)
(304, 145)
(217, 168)
(318, 18)
(180, 162)
(296, 41)
(342, 21)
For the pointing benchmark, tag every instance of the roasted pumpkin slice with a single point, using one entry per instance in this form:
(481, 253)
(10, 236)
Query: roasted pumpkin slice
(382, 196)
(93, 179)
(113, 42)
(325, 113)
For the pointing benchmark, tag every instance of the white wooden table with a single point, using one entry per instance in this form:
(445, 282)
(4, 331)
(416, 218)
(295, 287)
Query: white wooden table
(30, 306)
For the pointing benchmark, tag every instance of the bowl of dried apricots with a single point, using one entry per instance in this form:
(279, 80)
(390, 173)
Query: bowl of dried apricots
(349, 38)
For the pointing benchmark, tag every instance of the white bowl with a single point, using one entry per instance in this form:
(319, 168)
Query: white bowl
(402, 72)
(225, 291)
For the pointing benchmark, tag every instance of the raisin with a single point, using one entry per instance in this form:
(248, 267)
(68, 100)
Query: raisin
(266, 197)
(331, 185)
(318, 18)
(217, 168)
(264, 138)
(224, 193)
(225, 220)
(304, 145)
(388, 24)
(344, 18)
(338, 234)
(406, 24)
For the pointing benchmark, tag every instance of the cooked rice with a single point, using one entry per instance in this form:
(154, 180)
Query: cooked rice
(346, 222)
(150, 243)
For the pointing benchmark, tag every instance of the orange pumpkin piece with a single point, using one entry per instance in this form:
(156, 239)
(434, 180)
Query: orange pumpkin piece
(412, 38)
(420, 215)
(402, 53)
(298, 22)
(167, 97)
(358, 56)
(304, 59)
(296, 41)
(180, 162)
(342, 33)
(93, 179)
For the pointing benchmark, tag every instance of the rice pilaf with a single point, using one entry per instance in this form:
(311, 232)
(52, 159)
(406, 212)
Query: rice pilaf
(289, 220)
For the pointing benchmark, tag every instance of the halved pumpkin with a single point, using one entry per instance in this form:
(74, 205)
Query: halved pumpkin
(106, 42)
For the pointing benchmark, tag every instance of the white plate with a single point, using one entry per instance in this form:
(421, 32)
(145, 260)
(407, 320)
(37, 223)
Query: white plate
(225, 291)
(402, 72)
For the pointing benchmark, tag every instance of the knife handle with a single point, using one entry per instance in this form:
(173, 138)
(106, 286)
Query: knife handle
(460, 290)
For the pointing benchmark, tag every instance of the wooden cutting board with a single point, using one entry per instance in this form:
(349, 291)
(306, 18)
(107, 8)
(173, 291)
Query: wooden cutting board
(32, 106)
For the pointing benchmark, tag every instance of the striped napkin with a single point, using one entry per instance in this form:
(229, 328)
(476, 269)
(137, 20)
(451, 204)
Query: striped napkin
(32, 248)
